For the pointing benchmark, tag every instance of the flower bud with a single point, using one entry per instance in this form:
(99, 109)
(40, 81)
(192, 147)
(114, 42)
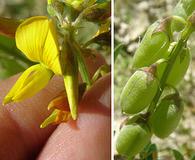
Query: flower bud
(167, 115)
(178, 70)
(138, 92)
(154, 45)
(132, 139)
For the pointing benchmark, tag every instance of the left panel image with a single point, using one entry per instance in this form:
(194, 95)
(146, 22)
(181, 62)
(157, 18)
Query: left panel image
(55, 79)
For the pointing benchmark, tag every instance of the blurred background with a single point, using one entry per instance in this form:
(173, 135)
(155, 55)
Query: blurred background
(11, 60)
(131, 21)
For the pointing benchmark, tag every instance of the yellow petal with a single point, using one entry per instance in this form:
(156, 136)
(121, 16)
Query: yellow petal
(37, 39)
(60, 102)
(56, 117)
(30, 82)
(51, 52)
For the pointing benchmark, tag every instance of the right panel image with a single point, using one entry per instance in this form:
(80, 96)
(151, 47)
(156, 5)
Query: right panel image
(154, 80)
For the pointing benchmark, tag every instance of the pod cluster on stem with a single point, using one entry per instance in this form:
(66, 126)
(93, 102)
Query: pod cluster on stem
(160, 62)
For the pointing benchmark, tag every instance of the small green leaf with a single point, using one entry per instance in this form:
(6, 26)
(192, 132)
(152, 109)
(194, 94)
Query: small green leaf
(103, 35)
(82, 66)
(8, 49)
(102, 70)
(177, 155)
(193, 157)
(150, 152)
(117, 50)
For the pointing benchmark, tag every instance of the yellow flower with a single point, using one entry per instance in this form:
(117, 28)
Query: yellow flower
(30, 82)
(36, 37)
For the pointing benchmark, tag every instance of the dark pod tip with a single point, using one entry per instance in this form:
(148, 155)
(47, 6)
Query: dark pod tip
(164, 26)
(191, 19)
(175, 97)
(136, 119)
(151, 69)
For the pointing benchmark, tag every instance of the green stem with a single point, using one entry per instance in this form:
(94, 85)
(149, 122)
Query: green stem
(82, 66)
(80, 17)
(117, 50)
(174, 54)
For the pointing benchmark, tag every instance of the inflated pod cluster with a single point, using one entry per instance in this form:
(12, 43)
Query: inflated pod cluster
(139, 91)
(160, 62)
(132, 139)
(167, 116)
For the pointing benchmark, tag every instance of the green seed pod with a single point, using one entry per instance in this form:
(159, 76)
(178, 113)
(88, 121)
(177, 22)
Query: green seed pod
(179, 69)
(154, 45)
(138, 92)
(132, 139)
(167, 115)
(178, 23)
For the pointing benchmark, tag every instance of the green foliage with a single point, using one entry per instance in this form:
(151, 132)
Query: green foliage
(117, 50)
(150, 152)
(9, 67)
(177, 155)
(11, 60)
